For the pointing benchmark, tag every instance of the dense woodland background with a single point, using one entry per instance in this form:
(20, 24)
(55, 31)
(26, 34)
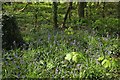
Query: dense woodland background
(61, 40)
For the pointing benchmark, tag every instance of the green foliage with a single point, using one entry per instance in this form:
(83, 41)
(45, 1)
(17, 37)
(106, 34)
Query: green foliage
(107, 25)
(75, 56)
(101, 58)
(70, 53)
(106, 63)
(69, 31)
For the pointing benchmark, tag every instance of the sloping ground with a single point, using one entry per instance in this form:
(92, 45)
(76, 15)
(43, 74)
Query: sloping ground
(69, 53)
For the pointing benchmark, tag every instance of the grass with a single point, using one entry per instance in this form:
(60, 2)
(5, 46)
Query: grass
(45, 57)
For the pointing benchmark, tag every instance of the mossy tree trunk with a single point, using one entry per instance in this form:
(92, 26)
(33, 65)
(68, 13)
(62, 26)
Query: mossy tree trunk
(119, 10)
(55, 15)
(11, 38)
(81, 12)
(119, 18)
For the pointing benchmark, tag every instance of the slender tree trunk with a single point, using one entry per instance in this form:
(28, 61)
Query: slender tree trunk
(81, 6)
(119, 10)
(55, 15)
(68, 11)
(119, 18)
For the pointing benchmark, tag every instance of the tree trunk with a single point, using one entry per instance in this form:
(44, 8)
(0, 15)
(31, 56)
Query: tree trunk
(119, 18)
(68, 11)
(81, 6)
(36, 17)
(11, 38)
(55, 15)
(119, 10)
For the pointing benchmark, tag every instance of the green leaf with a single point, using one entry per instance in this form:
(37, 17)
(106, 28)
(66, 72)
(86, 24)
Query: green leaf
(15, 76)
(106, 63)
(50, 65)
(75, 57)
(100, 58)
(42, 62)
(68, 57)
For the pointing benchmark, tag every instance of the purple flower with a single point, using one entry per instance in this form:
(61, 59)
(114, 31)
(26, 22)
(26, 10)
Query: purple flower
(49, 36)
(18, 75)
(56, 71)
(18, 67)
(39, 40)
(78, 65)
(21, 62)
(74, 42)
(16, 56)
(6, 63)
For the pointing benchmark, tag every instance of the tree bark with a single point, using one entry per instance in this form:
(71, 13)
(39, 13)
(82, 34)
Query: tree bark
(68, 11)
(11, 38)
(81, 6)
(55, 15)
(119, 10)
(119, 17)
